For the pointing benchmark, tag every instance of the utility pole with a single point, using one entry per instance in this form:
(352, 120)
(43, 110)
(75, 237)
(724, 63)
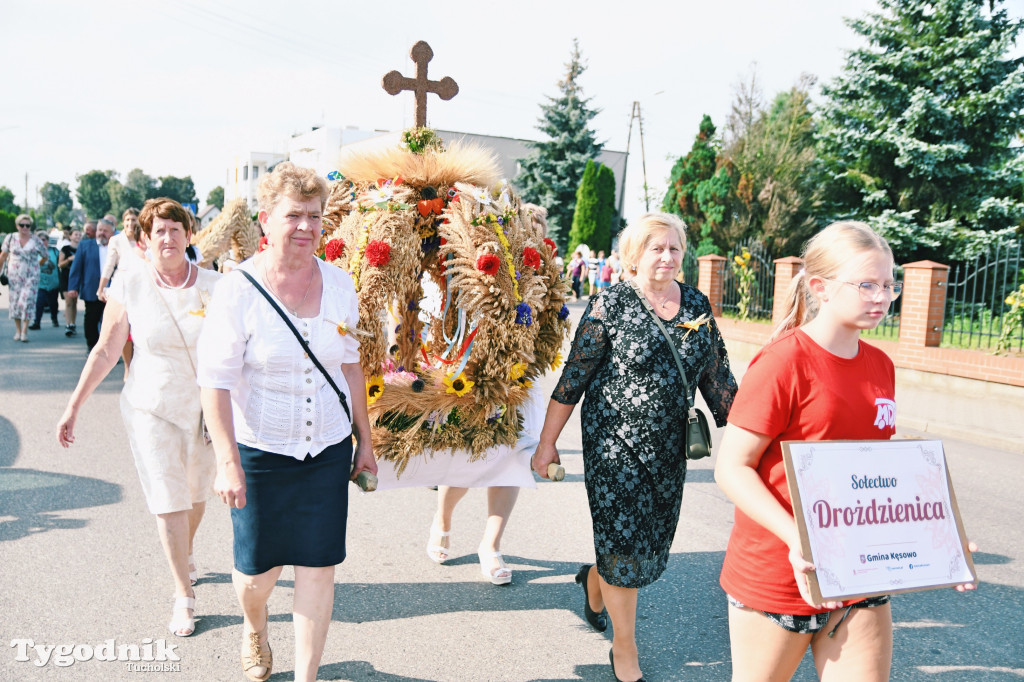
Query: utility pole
(26, 192)
(634, 115)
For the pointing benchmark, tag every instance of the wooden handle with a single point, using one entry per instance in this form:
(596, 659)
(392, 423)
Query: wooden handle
(556, 472)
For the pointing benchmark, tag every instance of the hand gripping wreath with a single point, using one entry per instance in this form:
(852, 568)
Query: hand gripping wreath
(451, 377)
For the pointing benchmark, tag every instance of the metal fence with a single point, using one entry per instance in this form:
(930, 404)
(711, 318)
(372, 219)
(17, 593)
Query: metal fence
(762, 292)
(691, 268)
(976, 294)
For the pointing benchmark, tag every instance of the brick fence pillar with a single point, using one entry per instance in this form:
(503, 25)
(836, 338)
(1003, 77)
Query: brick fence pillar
(709, 280)
(924, 303)
(785, 270)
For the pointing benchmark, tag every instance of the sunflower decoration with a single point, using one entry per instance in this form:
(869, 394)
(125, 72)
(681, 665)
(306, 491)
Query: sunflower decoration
(458, 364)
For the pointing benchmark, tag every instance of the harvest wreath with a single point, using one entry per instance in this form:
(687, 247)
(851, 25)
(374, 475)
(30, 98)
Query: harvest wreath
(453, 378)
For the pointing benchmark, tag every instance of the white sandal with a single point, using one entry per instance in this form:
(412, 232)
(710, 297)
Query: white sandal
(193, 573)
(438, 553)
(500, 574)
(183, 626)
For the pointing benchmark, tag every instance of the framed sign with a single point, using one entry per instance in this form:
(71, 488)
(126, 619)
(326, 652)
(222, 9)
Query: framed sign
(876, 517)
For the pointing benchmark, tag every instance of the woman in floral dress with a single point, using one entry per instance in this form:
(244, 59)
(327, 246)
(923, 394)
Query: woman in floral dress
(23, 253)
(633, 421)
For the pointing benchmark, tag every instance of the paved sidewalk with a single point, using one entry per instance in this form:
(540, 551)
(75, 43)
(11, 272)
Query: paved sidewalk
(80, 563)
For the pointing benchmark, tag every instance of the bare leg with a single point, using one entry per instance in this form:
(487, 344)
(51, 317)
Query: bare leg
(175, 538)
(313, 606)
(447, 498)
(761, 650)
(861, 648)
(253, 592)
(500, 502)
(70, 307)
(621, 605)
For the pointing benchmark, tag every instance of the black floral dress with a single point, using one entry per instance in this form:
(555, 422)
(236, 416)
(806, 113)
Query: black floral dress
(633, 421)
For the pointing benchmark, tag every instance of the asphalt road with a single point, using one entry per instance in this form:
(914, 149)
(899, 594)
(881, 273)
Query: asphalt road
(80, 564)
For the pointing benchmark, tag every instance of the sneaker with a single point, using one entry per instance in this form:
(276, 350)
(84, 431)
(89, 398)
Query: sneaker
(34, 326)
(69, 331)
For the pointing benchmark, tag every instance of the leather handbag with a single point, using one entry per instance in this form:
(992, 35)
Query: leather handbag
(698, 433)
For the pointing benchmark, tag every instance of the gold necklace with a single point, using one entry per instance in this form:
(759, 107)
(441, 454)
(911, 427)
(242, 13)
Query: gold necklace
(312, 273)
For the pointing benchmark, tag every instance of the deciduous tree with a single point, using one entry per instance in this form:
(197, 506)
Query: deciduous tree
(92, 192)
(216, 197)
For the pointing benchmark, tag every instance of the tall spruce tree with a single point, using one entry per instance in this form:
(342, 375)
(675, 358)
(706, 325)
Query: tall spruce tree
(698, 190)
(551, 175)
(917, 132)
(595, 209)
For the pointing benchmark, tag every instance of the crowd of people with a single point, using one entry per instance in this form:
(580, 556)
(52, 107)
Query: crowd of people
(241, 386)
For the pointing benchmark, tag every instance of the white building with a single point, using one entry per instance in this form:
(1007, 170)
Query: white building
(321, 148)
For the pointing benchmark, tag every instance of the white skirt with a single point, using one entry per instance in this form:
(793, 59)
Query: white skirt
(502, 465)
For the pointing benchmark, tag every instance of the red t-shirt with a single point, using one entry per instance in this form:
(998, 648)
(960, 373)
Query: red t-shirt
(796, 390)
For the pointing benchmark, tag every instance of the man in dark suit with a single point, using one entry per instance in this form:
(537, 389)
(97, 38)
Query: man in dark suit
(84, 278)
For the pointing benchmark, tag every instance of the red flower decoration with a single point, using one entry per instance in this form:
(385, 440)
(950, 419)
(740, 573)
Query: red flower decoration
(426, 206)
(531, 258)
(554, 247)
(378, 253)
(262, 245)
(488, 264)
(333, 249)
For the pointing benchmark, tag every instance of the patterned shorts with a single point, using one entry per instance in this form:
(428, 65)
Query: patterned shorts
(808, 625)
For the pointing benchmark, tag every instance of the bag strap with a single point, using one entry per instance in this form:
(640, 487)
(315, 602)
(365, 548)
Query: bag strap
(302, 342)
(668, 339)
(174, 320)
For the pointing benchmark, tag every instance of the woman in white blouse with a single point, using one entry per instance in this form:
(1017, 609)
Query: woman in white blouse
(122, 249)
(281, 431)
(161, 304)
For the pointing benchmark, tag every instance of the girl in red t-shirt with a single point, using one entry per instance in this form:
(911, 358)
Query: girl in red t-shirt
(815, 380)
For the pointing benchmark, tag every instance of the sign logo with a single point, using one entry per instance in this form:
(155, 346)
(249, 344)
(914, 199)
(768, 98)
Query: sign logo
(886, 415)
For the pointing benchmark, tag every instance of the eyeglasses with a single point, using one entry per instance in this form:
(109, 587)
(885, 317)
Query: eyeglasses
(24, 224)
(869, 290)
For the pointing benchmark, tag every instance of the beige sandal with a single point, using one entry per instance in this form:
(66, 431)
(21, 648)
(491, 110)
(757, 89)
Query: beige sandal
(259, 660)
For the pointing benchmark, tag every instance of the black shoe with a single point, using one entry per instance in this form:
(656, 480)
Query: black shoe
(55, 324)
(598, 621)
(69, 331)
(34, 327)
(611, 659)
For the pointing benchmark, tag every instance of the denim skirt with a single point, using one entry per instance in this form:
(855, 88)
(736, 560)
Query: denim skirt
(295, 511)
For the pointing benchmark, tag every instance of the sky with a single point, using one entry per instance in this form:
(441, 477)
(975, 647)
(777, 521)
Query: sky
(181, 87)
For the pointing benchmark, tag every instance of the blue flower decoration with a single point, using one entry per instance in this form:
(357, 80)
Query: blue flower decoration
(563, 313)
(523, 314)
(334, 175)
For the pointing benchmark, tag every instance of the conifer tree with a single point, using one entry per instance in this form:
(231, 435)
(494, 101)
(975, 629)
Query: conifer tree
(917, 132)
(595, 209)
(698, 190)
(551, 175)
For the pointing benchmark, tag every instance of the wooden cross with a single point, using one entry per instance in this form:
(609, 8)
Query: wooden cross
(394, 82)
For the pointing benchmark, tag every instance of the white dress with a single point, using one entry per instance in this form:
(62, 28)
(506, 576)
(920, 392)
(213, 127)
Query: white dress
(160, 400)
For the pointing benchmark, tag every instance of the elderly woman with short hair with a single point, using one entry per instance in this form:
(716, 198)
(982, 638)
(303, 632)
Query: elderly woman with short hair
(634, 420)
(283, 393)
(161, 305)
(23, 253)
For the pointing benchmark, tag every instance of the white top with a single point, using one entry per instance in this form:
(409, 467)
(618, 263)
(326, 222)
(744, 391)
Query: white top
(161, 380)
(118, 251)
(280, 401)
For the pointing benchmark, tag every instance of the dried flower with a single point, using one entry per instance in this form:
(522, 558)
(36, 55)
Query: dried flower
(488, 264)
(517, 371)
(552, 245)
(378, 253)
(531, 258)
(563, 313)
(374, 389)
(523, 314)
(458, 385)
(417, 385)
(334, 248)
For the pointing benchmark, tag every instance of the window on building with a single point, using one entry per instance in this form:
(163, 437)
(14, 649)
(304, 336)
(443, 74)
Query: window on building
(245, 172)
(255, 172)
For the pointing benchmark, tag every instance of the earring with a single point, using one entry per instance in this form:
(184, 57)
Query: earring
(632, 268)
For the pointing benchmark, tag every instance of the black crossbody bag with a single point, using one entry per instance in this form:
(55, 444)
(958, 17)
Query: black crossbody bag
(698, 433)
(302, 342)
